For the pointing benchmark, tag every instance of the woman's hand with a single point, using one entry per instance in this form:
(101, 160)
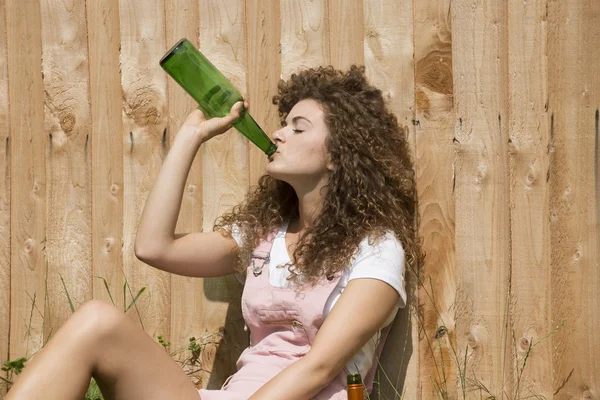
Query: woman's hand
(204, 129)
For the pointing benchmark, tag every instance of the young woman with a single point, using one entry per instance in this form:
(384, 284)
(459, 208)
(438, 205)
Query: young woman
(320, 246)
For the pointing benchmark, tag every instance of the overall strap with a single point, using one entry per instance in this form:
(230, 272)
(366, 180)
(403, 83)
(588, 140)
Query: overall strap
(261, 255)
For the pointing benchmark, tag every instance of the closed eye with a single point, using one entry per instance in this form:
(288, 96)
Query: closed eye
(283, 124)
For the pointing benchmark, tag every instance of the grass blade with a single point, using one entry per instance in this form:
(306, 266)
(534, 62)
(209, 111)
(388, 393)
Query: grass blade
(108, 290)
(124, 295)
(137, 296)
(67, 292)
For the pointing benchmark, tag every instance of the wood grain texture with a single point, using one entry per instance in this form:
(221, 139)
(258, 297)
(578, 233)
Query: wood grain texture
(502, 103)
(104, 44)
(186, 293)
(435, 116)
(529, 134)
(346, 33)
(67, 126)
(574, 100)
(28, 177)
(144, 121)
(264, 71)
(225, 182)
(304, 35)
(482, 237)
(389, 61)
(4, 196)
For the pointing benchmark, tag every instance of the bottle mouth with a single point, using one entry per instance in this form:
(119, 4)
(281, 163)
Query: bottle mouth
(354, 379)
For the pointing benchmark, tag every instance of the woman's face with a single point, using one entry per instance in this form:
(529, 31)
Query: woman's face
(301, 155)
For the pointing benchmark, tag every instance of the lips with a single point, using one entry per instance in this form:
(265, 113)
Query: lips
(273, 155)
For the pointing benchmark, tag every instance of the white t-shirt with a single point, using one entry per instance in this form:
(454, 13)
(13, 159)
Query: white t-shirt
(383, 260)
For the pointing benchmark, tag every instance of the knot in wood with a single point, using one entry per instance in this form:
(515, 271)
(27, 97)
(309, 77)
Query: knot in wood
(141, 106)
(28, 246)
(146, 116)
(108, 244)
(114, 189)
(577, 255)
(481, 174)
(524, 344)
(67, 123)
(472, 341)
(530, 178)
(435, 71)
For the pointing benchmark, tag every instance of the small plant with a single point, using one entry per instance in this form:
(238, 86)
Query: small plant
(164, 344)
(12, 367)
(194, 348)
(15, 367)
(93, 392)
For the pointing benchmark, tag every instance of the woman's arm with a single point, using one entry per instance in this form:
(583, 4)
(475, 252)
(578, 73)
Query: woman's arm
(359, 313)
(196, 254)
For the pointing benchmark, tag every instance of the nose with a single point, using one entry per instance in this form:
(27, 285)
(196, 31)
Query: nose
(278, 136)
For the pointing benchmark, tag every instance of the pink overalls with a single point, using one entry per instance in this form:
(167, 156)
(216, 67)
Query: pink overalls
(283, 324)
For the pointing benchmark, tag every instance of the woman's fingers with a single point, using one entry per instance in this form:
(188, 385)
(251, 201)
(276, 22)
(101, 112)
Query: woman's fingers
(214, 126)
(235, 112)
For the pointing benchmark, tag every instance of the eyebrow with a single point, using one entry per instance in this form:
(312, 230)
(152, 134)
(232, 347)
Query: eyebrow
(300, 117)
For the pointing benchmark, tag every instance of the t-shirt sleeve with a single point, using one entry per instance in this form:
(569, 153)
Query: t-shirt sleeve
(383, 260)
(237, 236)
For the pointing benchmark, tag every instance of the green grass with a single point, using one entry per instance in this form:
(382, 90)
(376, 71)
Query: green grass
(469, 385)
(187, 357)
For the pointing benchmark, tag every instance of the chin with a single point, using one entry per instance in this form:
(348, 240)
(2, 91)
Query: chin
(275, 174)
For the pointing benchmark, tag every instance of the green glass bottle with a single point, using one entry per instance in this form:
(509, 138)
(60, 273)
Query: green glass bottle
(211, 89)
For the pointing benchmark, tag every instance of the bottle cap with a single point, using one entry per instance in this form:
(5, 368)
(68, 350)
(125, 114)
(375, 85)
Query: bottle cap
(354, 379)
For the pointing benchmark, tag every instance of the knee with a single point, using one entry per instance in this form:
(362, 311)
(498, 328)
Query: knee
(97, 318)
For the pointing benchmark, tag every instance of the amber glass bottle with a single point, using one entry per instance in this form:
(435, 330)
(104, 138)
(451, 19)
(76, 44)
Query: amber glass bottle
(355, 387)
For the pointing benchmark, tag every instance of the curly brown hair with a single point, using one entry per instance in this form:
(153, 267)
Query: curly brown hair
(370, 191)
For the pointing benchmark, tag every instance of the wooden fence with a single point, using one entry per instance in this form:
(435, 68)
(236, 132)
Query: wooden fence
(501, 102)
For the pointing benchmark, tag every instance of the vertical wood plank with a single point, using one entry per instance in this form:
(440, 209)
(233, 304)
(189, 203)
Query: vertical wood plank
(4, 195)
(529, 197)
(574, 100)
(264, 71)
(388, 57)
(346, 34)
(104, 44)
(304, 35)
(483, 261)
(225, 182)
(435, 114)
(28, 176)
(144, 139)
(67, 124)
(186, 293)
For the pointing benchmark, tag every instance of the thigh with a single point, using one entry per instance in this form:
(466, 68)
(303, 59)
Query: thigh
(129, 363)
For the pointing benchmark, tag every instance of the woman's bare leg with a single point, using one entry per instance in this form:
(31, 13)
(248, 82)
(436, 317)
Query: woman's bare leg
(100, 341)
